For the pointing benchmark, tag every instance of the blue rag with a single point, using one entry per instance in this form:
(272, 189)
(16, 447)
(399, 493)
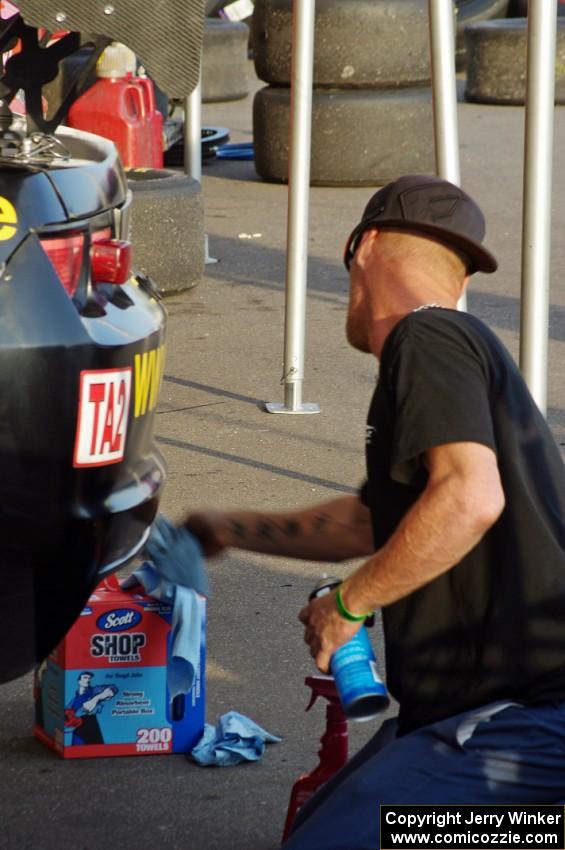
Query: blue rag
(177, 556)
(234, 739)
(186, 625)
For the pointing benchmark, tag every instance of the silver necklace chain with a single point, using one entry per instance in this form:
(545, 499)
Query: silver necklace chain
(429, 307)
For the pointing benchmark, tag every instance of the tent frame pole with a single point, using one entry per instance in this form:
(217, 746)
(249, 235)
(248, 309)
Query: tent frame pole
(536, 212)
(303, 20)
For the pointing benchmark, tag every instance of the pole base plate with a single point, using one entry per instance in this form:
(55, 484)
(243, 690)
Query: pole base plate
(280, 407)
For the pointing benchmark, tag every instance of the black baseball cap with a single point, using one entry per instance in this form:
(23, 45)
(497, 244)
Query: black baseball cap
(428, 205)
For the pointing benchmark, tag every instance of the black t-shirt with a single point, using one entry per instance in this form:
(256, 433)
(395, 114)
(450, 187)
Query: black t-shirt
(492, 627)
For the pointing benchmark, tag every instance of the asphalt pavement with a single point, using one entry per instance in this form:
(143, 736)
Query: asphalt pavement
(225, 349)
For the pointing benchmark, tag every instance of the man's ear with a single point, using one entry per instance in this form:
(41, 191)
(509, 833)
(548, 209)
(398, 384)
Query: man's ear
(366, 244)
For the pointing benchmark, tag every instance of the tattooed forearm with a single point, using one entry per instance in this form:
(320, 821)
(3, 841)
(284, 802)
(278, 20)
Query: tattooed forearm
(334, 531)
(271, 531)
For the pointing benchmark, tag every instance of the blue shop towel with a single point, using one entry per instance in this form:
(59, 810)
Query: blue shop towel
(186, 625)
(234, 739)
(177, 556)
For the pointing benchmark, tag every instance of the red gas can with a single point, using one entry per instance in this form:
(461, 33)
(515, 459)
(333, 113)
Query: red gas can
(121, 107)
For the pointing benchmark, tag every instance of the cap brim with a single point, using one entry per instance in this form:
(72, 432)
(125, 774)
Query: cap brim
(481, 258)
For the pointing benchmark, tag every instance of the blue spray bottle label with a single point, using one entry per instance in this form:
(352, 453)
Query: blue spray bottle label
(361, 690)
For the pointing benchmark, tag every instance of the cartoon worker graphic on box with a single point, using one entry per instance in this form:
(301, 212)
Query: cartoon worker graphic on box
(81, 711)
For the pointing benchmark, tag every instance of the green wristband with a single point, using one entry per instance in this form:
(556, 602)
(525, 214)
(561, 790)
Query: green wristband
(345, 613)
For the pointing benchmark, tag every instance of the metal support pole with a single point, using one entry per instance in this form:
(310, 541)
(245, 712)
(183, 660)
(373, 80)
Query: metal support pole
(444, 94)
(193, 145)
(444, 89)
(303, 18)
(193, 133)
(536, 214)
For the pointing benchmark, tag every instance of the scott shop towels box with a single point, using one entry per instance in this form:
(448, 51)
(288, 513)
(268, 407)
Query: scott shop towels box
(103, 691)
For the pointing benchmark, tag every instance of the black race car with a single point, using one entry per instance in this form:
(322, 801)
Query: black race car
(82, 352)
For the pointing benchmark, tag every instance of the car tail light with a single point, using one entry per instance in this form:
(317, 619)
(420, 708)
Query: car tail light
(97, 235)
(110, 261)
(66, 255)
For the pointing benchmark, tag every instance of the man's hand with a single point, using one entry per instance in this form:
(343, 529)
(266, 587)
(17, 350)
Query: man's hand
(325, 629)
(205, 525)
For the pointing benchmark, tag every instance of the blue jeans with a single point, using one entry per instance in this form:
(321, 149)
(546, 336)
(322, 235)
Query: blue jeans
(515, 755)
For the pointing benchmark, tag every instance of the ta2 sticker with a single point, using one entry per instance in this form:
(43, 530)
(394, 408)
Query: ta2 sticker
(103, 412)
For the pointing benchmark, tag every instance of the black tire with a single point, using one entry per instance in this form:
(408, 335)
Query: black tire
(359, 138)
(472, 12)
(519, 8)
(358, 43)
(224, 60)
(167, 228)
(212, 139)
(496, 61)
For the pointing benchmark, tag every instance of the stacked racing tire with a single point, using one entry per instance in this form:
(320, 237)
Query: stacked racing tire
(224, 60)
(372, 103)
(497, 59)
(167, 228)
(472, 12)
